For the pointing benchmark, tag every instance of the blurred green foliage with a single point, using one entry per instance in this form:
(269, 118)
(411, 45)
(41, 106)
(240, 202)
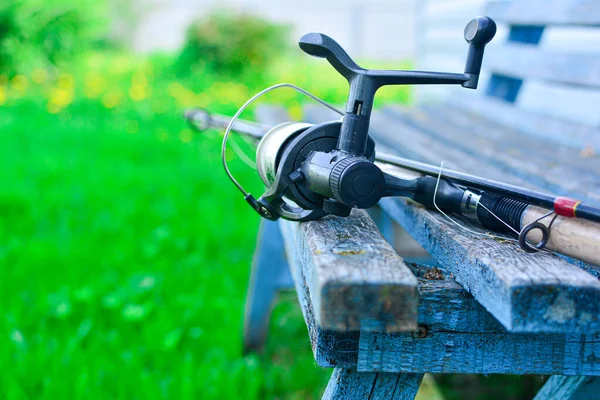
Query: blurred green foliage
(232, 43)
(34, 32)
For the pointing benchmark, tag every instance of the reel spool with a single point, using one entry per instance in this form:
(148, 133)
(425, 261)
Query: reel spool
(280, 157)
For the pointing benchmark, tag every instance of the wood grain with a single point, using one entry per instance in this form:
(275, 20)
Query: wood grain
(356, 279)
(349, 385)
(543, 127)
(542, 168)
(456, 334)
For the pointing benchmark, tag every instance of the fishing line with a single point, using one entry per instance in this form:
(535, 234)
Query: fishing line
(242, 154)
(522, 235)
(486, 234)
(243, 108)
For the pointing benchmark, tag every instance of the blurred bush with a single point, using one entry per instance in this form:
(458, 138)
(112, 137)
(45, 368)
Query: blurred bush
(232, 44)
(37, 32)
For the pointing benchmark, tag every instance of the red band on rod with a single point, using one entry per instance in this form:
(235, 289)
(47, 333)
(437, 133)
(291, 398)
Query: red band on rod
(565, 206)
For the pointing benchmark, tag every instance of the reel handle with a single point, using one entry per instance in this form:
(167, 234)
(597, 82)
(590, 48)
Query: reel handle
(364, 82)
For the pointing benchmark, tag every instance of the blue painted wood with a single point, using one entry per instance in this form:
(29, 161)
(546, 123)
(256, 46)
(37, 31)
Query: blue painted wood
(526, 293)
(570, 388)
(455, 335)
(546, 169)
(270, 273)
(357, 281)
(346, 384)
(530, 34)
(504, 87)
(451, 352)
(521, 297)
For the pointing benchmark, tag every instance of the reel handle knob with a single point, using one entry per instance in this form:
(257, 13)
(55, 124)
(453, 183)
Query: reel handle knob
(478, 33)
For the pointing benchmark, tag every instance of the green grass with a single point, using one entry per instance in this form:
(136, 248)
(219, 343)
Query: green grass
(124, 250)
(125, 261)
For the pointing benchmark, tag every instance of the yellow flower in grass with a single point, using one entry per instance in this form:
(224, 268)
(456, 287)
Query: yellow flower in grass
(3, 95)
(61, 97)
(139, 78)
(137, 92)
(139, 89)
(184, 96)
(295, 111)
(19, 84)
(94, 85)
(39, 76)
(66, 81)
(111, 99)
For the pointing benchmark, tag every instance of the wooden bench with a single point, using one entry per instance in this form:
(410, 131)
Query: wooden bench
(489, 308)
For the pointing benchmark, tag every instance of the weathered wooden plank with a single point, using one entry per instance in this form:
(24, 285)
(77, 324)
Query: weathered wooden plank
(357, 280)
(455, 335)
(342, 345)
(450, 352)
(542, 168)
(346, 384)
(524, 292)
(270, 273)
(546, 12)
(570, 388)
(528, 61)
(548, 128)
(576, 104)
(513, 141)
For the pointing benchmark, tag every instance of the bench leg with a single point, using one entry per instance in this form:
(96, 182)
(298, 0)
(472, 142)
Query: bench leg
(570, 388)
(346, 384)
(270, 273)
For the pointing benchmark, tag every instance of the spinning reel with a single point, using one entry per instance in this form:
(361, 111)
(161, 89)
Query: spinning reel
(315, 170)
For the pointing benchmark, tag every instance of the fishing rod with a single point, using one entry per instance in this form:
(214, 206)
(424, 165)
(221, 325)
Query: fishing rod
(469, 196)
(313, 170)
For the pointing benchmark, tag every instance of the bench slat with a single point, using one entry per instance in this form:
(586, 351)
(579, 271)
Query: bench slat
(356, 278)
(509, 140)
(544, 169)
(546, 12)
(527, 61)
(524, 292)
(547, 128)
(511, 353)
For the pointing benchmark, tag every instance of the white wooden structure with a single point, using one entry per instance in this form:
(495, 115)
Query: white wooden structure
(439, 46)
(377, 29)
